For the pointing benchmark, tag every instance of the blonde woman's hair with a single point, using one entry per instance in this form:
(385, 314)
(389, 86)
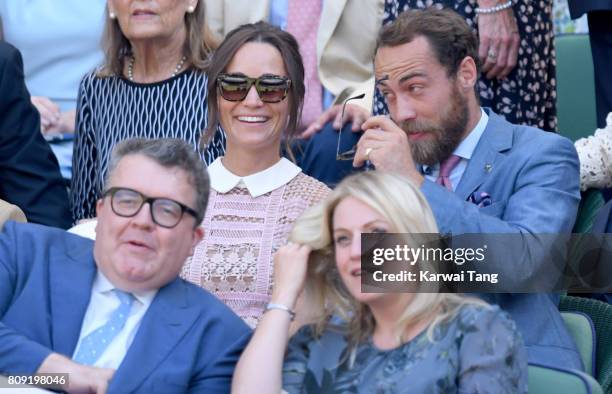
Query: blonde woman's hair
(407, 211)
(199, 43)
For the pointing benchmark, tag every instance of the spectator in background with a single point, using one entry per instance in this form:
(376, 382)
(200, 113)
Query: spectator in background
(29, 173)
(516, 50)
(152, 84)
(336, 42)
(599, 16)
(256, 91)
(60, 42)
(113, 313)
(399, 342)
(479, 173)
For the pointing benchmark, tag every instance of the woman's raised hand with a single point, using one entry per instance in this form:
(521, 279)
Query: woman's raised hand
(290, 263)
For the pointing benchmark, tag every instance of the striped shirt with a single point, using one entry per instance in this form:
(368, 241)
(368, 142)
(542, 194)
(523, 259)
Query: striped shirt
(113, 109)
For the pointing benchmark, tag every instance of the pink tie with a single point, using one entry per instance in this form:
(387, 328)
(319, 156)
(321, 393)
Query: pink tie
(446, 168)
(303, 22)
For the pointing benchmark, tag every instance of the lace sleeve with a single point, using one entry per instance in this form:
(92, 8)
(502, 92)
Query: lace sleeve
(595, 154)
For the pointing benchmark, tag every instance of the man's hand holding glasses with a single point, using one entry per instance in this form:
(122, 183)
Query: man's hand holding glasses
(349, 154)
(386, 146)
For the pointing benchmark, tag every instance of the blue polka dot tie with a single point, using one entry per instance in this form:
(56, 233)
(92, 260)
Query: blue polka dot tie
(96, 342)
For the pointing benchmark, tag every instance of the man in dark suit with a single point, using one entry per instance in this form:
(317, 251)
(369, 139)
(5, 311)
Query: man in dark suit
(479, 173)
(113, 313)
(599, 16)
(29, 173)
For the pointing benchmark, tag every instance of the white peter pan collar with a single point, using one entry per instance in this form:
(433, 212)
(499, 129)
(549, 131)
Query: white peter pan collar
(260, 183)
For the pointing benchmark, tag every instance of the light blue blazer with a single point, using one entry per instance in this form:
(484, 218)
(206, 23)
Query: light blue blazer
(532, 178)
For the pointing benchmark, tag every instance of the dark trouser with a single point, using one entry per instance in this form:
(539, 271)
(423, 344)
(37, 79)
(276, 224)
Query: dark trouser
(317, 155)
(600, 33)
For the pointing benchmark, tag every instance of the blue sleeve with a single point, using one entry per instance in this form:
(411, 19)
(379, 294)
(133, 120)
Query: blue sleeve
(295, 365)
(492, 356)
(18, 354)
(217, 377)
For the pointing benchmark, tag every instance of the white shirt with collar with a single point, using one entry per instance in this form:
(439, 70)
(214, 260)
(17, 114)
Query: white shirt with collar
(258, 184)
(102, 303)
(464, 150)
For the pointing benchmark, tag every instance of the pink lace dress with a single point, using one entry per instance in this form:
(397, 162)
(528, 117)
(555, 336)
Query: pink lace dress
(246, 221)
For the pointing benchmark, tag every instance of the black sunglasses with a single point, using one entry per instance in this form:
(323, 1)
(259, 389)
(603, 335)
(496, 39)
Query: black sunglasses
(164, 211)
(270, 88)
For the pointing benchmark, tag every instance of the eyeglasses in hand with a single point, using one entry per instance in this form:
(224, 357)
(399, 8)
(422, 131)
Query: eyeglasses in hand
(349, 154)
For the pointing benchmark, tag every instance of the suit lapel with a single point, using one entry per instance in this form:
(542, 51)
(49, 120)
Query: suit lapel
(330, 15)
(165, 323)
(487, 156)
(70, 282)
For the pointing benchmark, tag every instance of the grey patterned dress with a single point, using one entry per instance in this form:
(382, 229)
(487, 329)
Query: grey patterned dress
(478, 351)
(528, 94)
(113, 109)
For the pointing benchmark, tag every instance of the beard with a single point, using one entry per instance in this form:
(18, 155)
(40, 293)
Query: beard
(448, 132)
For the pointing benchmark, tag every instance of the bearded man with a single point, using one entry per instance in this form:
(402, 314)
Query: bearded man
(479, 173)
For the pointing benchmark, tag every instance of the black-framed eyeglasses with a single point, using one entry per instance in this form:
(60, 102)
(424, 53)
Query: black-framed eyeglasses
(164, 211)
(270, 88)
(349, 154)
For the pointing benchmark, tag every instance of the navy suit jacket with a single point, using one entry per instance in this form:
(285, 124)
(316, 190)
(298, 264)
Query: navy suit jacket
(533, 179)
(579, 7)
(29, 174)
(188, 341)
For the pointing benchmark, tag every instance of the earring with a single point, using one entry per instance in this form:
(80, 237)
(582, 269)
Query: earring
(112, 15)
(190, 9)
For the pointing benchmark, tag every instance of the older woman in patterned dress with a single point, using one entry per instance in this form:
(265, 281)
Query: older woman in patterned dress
(152, 85)
(256, 91)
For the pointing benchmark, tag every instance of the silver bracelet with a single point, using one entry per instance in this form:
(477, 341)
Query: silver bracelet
(492, 10)
(281, 307)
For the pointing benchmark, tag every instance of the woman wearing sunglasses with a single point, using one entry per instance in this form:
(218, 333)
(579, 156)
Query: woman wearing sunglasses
(376, 342)
(256, 91)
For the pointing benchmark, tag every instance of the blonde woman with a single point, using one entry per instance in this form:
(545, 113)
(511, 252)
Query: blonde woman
(375, 342)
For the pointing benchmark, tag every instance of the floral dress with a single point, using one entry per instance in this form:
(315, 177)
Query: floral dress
(478, 351)
(528, 94)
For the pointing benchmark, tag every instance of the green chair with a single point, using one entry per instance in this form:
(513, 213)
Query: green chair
(590, 203)
(582, 331)
(600, 314)
(543, 380)
(575, 86)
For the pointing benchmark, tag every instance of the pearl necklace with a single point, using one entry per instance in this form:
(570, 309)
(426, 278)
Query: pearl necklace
(130, 70)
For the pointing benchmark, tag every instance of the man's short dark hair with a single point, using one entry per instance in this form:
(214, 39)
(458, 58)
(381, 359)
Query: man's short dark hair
(448, 34)
(168, 153)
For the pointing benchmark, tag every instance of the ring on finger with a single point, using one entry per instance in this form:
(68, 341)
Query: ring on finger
(492, 54)
(367, 153)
